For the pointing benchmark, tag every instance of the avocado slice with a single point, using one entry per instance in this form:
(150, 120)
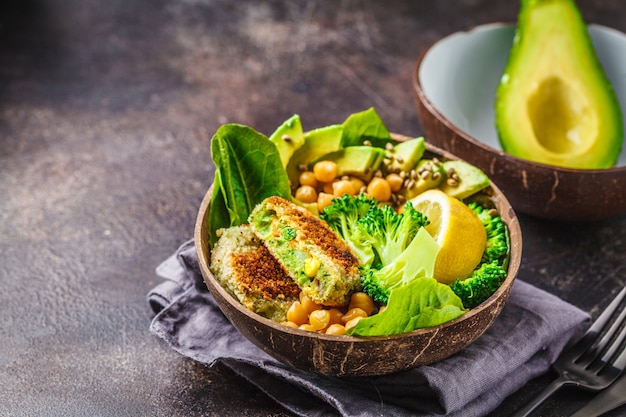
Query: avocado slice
(430, 174)
(463, 179)
(317, 142)
(288, 137)
(407, 154)
(554, 103)
(359, 161)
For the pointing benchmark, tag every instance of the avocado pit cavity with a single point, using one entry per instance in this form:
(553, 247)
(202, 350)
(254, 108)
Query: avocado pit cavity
(562, 120)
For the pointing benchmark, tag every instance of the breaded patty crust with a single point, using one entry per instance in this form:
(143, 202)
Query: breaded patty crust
(320, 262)
(248, 271)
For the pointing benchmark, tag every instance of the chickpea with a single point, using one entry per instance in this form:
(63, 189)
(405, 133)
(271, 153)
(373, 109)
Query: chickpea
(353, 313)
(306, 194)
(308, 304)
(325, 171)
(308, 178)
(395, 182)
(327, 187)
(324, 200)
(335, 316)
(297, 314)
(379, 189)
(357, 183)
(319, 319)
(353, 322)
(336, 329)
(290, 324)
(362, 301)
(342, 187)
(307, 327)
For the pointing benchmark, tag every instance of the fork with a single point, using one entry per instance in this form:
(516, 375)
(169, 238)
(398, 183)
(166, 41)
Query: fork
(593, 363)
(609, 399)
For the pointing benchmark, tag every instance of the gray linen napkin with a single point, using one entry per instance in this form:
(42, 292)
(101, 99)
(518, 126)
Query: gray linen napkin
(522, 344)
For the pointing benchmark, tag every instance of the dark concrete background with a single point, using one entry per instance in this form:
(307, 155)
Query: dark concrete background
(106, 112)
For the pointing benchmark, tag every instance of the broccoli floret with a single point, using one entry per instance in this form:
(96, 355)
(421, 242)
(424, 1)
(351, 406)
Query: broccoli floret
(491, 272)
(483, 282)
(392, 248)
(370, 284)
(416, 260)
(390, 233)
(497, 233)
(343, 216)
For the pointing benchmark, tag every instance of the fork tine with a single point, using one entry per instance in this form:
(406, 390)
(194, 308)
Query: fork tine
(586, 355)
(608, 312)
(620, 362)
(618, 340)
(613, 344)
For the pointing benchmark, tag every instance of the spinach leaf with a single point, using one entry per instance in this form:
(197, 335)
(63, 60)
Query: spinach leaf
(248, 170)
(218, 215)
(365, 125)
(423, 302)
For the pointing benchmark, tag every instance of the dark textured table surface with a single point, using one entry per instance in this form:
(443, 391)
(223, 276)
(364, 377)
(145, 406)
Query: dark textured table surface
(106, 113)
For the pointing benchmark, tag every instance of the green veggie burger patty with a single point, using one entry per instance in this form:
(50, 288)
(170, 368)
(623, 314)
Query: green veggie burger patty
(247, 270)
(320, 262)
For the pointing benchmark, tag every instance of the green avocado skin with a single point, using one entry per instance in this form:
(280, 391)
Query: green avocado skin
(554, 104)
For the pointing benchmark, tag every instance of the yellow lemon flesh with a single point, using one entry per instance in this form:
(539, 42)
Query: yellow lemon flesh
(458, 231)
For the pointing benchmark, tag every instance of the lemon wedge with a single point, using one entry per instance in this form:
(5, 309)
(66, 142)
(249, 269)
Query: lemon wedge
(458, 231)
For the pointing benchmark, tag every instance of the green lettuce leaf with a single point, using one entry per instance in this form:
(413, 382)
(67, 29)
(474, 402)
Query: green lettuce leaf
(365, 125)
(423, 302)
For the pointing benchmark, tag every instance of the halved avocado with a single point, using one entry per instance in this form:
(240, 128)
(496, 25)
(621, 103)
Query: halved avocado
(554, 103)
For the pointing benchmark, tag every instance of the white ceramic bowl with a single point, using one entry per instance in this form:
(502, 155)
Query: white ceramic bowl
(455, 82)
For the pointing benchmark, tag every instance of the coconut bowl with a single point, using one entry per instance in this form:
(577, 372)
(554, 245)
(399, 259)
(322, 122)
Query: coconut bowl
(454, 84)
(357, 356)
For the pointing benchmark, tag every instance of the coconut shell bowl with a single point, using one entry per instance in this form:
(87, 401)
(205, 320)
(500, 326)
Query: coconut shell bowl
(455, 81)
(358, 356)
